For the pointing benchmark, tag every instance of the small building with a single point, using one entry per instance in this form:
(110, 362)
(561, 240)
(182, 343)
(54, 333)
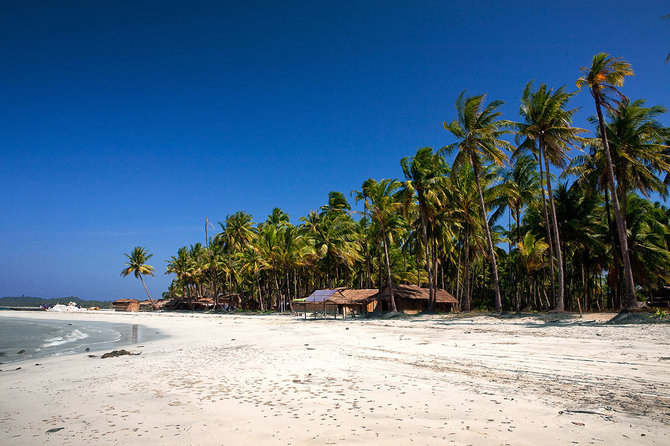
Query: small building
(412, 299)
(351, 302)
(126, 305)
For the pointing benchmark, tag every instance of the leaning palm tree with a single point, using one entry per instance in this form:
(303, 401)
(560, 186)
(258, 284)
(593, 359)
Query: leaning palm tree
(478, 131)
(137, 265)
(546, 130)
(605, 74)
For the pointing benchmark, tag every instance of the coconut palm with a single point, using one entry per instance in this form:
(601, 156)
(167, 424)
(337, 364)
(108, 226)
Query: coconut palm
(530, 252)
(137, 265)
(547, 131)
(636, 140)
(462, 200)
(605, 74)
(362, 195)
(423, 172)
(384, 207)
(478, 132)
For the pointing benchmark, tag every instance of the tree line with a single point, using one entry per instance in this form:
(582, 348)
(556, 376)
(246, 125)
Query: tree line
(589, 239)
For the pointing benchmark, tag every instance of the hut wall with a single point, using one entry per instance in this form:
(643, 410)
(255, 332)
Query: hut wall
(410, 306)
(444, 307)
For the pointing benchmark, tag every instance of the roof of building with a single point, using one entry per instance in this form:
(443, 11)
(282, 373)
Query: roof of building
(416, 292)
(320, 295)
(354, 297)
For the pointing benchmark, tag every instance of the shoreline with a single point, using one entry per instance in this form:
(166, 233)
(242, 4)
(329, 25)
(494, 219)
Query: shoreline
(41, 337)
(238, 379)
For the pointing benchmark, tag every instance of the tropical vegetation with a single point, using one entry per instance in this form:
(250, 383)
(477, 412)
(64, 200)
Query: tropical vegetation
(525, 213)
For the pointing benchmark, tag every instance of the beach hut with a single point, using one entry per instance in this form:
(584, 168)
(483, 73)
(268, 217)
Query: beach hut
(126, 305)
(336, 301)
(317, 302)
(412, 299)
(351, 302)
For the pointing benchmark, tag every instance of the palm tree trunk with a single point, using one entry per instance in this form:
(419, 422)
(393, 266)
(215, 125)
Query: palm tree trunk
(466, 269)
(153, 305)
(422, 212)
(494, 264)
(631, 299)
(560, 303)
(388, 269)
(550, 238)
(260, 295)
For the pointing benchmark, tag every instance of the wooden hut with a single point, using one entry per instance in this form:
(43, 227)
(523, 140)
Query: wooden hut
(126, 305)
(350, 302)
(412, 299)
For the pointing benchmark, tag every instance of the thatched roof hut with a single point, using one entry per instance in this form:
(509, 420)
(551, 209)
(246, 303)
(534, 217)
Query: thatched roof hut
(338, 300)
(126, 305)
(412, 299)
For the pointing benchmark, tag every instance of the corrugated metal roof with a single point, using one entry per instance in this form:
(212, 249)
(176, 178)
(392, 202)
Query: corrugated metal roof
(320, 295)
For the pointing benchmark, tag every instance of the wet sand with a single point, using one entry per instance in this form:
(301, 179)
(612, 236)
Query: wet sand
(224, 379)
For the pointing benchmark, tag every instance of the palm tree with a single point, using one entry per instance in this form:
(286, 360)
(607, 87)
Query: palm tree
(605, 74)
(422, 172)
(637, 148)
(530, 252)
(462, 200)
(384, 207)
(547, 123)
(137, 265)
(478, 131)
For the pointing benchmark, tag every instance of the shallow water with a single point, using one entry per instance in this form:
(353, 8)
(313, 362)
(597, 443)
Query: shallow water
(43, 338)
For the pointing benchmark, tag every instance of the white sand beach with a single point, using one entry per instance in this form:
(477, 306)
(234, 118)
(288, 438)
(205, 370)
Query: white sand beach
(232, 379)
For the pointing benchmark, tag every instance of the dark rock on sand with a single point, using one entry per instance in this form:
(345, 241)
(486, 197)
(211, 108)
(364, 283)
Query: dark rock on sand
(55, 429)
(115, 353)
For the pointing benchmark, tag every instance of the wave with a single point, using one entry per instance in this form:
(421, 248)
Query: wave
(75, 335)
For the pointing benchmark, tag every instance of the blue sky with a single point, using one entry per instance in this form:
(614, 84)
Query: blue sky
(127, 123)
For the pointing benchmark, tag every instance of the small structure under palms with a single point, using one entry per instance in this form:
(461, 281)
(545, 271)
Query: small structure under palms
(137, 265)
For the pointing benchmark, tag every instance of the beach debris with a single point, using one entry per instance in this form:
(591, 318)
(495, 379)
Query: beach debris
(92, 356)
(37, 363)
(55, 429)
(20, 352)
(664, 358)
(115, 353)
(18, 368)
(577, 423)
(87, 349)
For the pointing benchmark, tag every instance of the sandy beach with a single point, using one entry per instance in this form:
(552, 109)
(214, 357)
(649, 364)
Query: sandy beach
(233, 379)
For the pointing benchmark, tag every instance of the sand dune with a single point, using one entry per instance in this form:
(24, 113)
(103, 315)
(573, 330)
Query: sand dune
(281, 380)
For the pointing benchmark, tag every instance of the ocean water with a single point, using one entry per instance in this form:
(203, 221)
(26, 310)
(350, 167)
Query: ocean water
(42, 338)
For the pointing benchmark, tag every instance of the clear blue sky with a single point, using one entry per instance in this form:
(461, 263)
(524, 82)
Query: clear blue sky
(126, 123)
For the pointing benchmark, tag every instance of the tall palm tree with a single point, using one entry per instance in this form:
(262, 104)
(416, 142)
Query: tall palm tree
(547, 130)
(422, 172)
(605, 74)
(462, 199)
(137, 265)
(358, 196)
(384, 207)
(637, 148)
(478, 132)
